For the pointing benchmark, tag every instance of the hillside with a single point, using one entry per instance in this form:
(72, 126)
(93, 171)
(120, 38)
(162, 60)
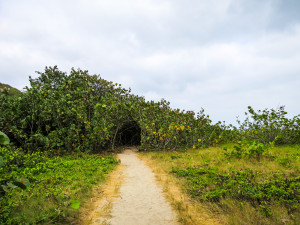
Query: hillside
(11, 90)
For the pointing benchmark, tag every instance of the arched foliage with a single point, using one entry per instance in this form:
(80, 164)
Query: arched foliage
(80, 112)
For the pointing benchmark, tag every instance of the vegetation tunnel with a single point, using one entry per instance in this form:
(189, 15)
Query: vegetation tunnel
(129, 134)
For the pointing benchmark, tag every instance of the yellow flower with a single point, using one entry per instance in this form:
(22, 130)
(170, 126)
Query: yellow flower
(161, 139)
(194, 146)
(220, 136)
(82, 136)
(199, 140)
(154, 132)
(182, 127)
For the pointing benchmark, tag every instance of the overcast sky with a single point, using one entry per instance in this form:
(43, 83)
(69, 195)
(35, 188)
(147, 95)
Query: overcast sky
(222, 55)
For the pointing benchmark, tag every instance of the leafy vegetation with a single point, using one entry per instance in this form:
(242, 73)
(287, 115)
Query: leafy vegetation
(267, 187)
(61, 126)
(249, 149)
(212, 185)
(79, 112)
(266, 125)
(58, 185)
(17, 182)
(4, 140)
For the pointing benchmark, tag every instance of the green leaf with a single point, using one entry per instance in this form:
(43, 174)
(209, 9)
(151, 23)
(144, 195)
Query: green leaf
(4, 140)
(11, 185)
(19, 184)
(75, 204)
(24, 181)
(4, 188)
(1, 161)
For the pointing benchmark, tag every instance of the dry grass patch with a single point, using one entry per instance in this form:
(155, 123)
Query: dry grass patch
(279, 163)
(189, 211)
(97, 209)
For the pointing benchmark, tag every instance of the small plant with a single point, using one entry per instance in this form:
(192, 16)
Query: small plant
(175, 157)
(19, 182)
(285, 161)
(4, 140)
(250, 149)
(238, 150)
(256, 150)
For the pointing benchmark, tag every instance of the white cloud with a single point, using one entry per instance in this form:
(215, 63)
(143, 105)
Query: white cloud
(220, 55)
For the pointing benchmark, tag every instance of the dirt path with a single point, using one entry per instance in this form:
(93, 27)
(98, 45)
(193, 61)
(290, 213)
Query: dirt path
(139, 201)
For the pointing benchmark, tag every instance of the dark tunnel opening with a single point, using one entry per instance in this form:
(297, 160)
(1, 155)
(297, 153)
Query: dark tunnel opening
(130, 134)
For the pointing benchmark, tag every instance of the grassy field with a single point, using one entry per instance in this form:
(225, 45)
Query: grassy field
(59, 186)
(231, 188)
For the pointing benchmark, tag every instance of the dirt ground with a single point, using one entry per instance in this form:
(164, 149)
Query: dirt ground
(131, 197)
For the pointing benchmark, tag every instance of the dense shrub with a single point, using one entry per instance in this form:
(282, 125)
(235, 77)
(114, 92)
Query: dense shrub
(66, 113)
(63, 112)
(265, 125)
(79, 112)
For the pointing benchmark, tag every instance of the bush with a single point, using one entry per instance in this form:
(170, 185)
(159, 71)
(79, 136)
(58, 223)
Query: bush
(249, 149)
(266, 125)
(78, 112)
(208, 183)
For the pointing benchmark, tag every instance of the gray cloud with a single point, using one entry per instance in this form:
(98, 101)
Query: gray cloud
(220, 55)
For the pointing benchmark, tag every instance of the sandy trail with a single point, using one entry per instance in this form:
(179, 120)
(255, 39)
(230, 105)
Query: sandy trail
(141, 200)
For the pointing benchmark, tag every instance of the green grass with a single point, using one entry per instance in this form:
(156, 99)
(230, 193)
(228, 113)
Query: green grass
(247, 190)
(59, 186)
